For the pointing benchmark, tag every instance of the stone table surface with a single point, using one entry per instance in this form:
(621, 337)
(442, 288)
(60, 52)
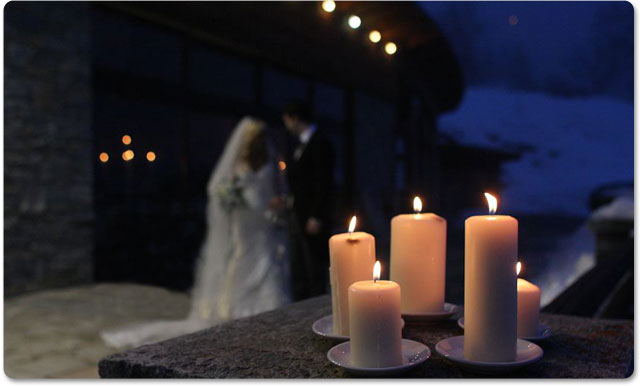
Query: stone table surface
(281, 344)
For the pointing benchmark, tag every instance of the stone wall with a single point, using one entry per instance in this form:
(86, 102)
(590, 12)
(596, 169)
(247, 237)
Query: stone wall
(48, 212)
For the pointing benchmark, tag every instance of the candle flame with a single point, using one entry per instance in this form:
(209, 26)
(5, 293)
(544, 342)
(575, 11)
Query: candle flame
(376, 271)
(352, 224)
(518, 268)
(493, 203)
(417, 204)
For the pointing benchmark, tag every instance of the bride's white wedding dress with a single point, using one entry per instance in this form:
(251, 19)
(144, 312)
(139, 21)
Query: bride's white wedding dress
(243, 267)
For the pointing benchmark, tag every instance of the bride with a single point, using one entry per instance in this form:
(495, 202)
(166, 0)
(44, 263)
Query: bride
(243, 267)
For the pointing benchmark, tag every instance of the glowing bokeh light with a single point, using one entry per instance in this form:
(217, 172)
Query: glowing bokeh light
(151, 156)
(127, 155)
(354, 21)
(329, 5)
(104, 157)
(375, 36)
(126, 139)
(390, 48)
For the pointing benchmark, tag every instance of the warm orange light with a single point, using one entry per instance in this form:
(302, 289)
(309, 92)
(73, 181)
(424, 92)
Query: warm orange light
(376, 271)
(417, 204)
(518, 267)
(390, 48)
(375, 36)
(493, 203)
(282, 165)
(126, 139)
(127, 155)
(329, 5)
(352, 224)
(151, 156)
(104, 157)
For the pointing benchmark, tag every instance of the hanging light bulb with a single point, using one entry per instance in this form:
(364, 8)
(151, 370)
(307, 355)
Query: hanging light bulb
(390, 48)
(329, 6)
(354, 21)
(375, 36)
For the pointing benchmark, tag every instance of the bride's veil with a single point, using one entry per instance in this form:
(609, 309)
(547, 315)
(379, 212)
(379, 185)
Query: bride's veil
(210, 269)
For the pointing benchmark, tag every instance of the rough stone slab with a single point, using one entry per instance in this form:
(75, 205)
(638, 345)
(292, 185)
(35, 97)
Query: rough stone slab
(280, 344)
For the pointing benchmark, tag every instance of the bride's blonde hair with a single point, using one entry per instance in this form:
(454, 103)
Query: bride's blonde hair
(255, 151)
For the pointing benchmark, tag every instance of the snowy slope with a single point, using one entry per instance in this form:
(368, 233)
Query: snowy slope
(578, 144)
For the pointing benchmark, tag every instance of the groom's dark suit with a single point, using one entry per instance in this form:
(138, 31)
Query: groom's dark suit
(310, 175)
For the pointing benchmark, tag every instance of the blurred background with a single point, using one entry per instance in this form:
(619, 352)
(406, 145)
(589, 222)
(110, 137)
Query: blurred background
(115, 115)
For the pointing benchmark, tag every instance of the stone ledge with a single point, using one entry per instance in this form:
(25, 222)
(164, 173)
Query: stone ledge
(280, 344)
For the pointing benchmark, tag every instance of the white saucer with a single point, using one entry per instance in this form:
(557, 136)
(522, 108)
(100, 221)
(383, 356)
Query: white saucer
(446, 313)
(324, 328)
(453, 349)
(413, 353)
(543, 332)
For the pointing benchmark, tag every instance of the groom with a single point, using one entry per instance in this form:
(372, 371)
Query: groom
(310, 175)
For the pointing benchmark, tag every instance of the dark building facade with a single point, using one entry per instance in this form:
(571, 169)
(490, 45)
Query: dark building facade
(48, 146)
(176, 78)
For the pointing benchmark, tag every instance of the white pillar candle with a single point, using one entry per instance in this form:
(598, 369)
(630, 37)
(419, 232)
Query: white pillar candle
(418, 259)
(351, 256)
(375, 322)
(528, 307)
(490, 294)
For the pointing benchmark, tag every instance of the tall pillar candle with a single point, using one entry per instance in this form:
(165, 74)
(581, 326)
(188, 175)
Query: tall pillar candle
(418, 259)
(528, 307)
(490, 294)
(351, 256)
(375, 322)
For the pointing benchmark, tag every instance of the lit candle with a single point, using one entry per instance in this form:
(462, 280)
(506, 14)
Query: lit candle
(352, 256)
(418, 259)
(528, 307)
(375, 322)
(490, 294)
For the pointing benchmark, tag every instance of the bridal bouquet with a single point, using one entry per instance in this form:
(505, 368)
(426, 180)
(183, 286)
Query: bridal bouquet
(230, 195)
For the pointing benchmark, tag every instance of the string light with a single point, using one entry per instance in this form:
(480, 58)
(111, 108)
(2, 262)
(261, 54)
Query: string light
(354, 21)
(104, 157)
(390, 48)
(151, 156)
(126, 139)
(375, 36)
(329, 5)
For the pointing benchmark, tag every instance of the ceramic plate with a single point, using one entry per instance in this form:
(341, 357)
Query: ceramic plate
(543, 332)
(413, 353)
(324, 328)
(448, 311)
(453, 349)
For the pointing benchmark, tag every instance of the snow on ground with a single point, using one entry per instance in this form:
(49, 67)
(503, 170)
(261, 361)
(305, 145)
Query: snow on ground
(577, 145)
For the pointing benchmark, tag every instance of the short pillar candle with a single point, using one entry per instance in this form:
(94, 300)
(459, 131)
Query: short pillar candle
(375, 322)
(528, 307)
(418, 259)
(351, 256)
